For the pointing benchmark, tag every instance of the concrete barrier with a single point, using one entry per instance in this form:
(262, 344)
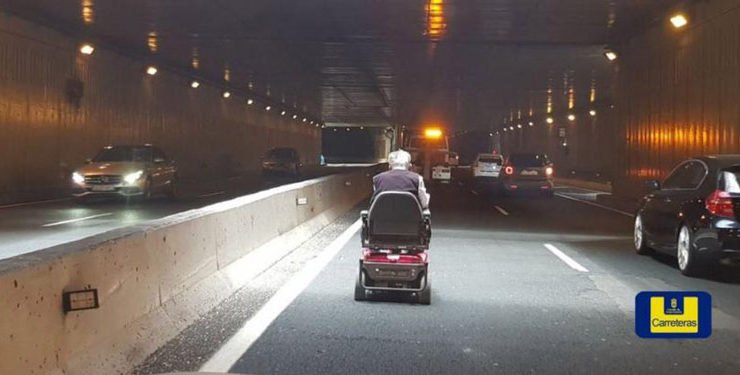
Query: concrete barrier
(153, 279)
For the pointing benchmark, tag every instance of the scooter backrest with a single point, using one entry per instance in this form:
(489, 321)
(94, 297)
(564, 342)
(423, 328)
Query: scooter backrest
(395, 214)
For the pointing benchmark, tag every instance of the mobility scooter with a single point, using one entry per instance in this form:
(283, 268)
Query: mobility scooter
(395, 240)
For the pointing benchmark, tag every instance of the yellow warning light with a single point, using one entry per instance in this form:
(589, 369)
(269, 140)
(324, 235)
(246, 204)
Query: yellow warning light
(433, 133)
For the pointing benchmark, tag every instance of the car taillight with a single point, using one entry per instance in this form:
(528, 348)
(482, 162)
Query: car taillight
(719, 203)
(509, 170)
(549, 171)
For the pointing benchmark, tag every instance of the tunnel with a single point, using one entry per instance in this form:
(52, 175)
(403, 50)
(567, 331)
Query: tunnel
(188, 185)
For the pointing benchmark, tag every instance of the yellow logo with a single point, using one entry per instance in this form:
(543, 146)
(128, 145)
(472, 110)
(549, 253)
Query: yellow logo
(674, 318)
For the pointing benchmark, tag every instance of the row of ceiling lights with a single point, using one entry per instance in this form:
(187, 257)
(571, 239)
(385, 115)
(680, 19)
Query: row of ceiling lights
(677, 20)
(549, 120)
(88, 49)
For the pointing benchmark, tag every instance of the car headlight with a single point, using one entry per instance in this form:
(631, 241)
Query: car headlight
(78, 178)
(131, 178)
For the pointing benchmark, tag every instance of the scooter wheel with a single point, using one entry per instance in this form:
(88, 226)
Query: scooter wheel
(425, 296)
(360, 293)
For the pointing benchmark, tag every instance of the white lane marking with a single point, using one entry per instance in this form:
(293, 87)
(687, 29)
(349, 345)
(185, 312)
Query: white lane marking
(502, 211)
(250, 332)
(474, 192)
(568, 260)
(76, 220)
(559, 195)
(212, 194)
(34, 203)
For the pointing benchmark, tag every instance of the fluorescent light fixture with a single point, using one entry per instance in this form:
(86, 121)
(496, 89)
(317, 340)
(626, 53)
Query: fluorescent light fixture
(531, 123)
(268, 108)
(550, 120)
(194, 84)
(227, 94)
(511, 128)
(304, 120)
(151, 70)
(295, 117)
(610, 55)
(679, 20)
(250, 101)
(519, 126)
(283, 113)
(592, 112)
(571, 117)
(87, 49)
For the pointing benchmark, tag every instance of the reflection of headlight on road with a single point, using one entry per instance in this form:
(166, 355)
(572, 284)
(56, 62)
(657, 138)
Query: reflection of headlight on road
(131, 178)
(78, 178)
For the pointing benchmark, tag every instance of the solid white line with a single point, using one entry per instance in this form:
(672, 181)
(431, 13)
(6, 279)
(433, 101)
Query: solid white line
(34, 203)
(250, 332)
(212, 194)
(502, 211)
(568, 260)
(76, 220)
(559, 195)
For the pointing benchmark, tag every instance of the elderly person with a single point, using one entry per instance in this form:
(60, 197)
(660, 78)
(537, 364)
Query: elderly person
(400, 178)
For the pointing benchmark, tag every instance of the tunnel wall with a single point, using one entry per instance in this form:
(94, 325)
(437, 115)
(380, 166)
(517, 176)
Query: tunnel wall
(678, 93)
(44, 134)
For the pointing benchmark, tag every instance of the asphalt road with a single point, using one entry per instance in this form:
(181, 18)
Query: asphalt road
(32, 227)
(503, 302)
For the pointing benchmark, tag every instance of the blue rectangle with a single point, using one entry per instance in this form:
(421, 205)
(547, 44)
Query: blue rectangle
(672, 309)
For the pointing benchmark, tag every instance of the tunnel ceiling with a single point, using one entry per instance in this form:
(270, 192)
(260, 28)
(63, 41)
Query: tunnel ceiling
(461, 63)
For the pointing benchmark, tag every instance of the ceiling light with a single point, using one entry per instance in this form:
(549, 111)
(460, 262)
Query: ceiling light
(250, 101)
(519, 126)
(283, 113)
(531, 123)
(511, 127)
(304, 120)
(268, 108)
(295, 117)
(195, 84)
(571, 117)
(348, 129)
(550, 120)
(227, 94)
(505, 130)
(87, 49)
(592, 112)
(679, 21)
(610, 55)
(151, 70)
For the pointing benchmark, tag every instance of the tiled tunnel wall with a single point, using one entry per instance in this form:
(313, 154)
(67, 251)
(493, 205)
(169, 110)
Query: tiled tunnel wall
(44, 134)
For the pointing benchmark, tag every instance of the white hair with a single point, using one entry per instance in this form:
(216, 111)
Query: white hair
(399, 159)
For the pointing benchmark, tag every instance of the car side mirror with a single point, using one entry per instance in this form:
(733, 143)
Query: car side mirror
(653, 185)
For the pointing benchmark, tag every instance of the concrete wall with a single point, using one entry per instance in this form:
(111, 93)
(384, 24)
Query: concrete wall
(678, 94)
(153, 279)
(44, 135)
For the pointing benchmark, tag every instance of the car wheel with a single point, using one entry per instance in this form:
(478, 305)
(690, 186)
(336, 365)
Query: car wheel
(360, 293)
(639, 239)
(172, 192)
(425, 295)
(147, 194)
(687, 261)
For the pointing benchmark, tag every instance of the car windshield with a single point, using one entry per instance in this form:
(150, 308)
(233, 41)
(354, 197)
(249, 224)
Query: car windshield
(490, 159)
(730, 180)
(280, 153)
(124, 154)
(528, 160)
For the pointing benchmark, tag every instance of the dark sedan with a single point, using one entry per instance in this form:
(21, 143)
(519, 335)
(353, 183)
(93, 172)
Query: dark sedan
(694, 214)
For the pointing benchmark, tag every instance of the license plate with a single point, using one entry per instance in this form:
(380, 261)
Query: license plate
(530, 173)
(104, 188)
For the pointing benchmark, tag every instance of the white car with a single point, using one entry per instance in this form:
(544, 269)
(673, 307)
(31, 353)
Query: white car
(487, 166)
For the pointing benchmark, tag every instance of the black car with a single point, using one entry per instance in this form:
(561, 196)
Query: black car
(528, 172)
(694, 215)
(283, 160)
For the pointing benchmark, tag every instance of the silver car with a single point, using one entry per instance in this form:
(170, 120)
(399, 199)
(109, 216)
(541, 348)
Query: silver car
(126, 171)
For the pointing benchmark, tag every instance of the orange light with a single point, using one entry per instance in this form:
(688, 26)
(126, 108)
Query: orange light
(433, 132)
